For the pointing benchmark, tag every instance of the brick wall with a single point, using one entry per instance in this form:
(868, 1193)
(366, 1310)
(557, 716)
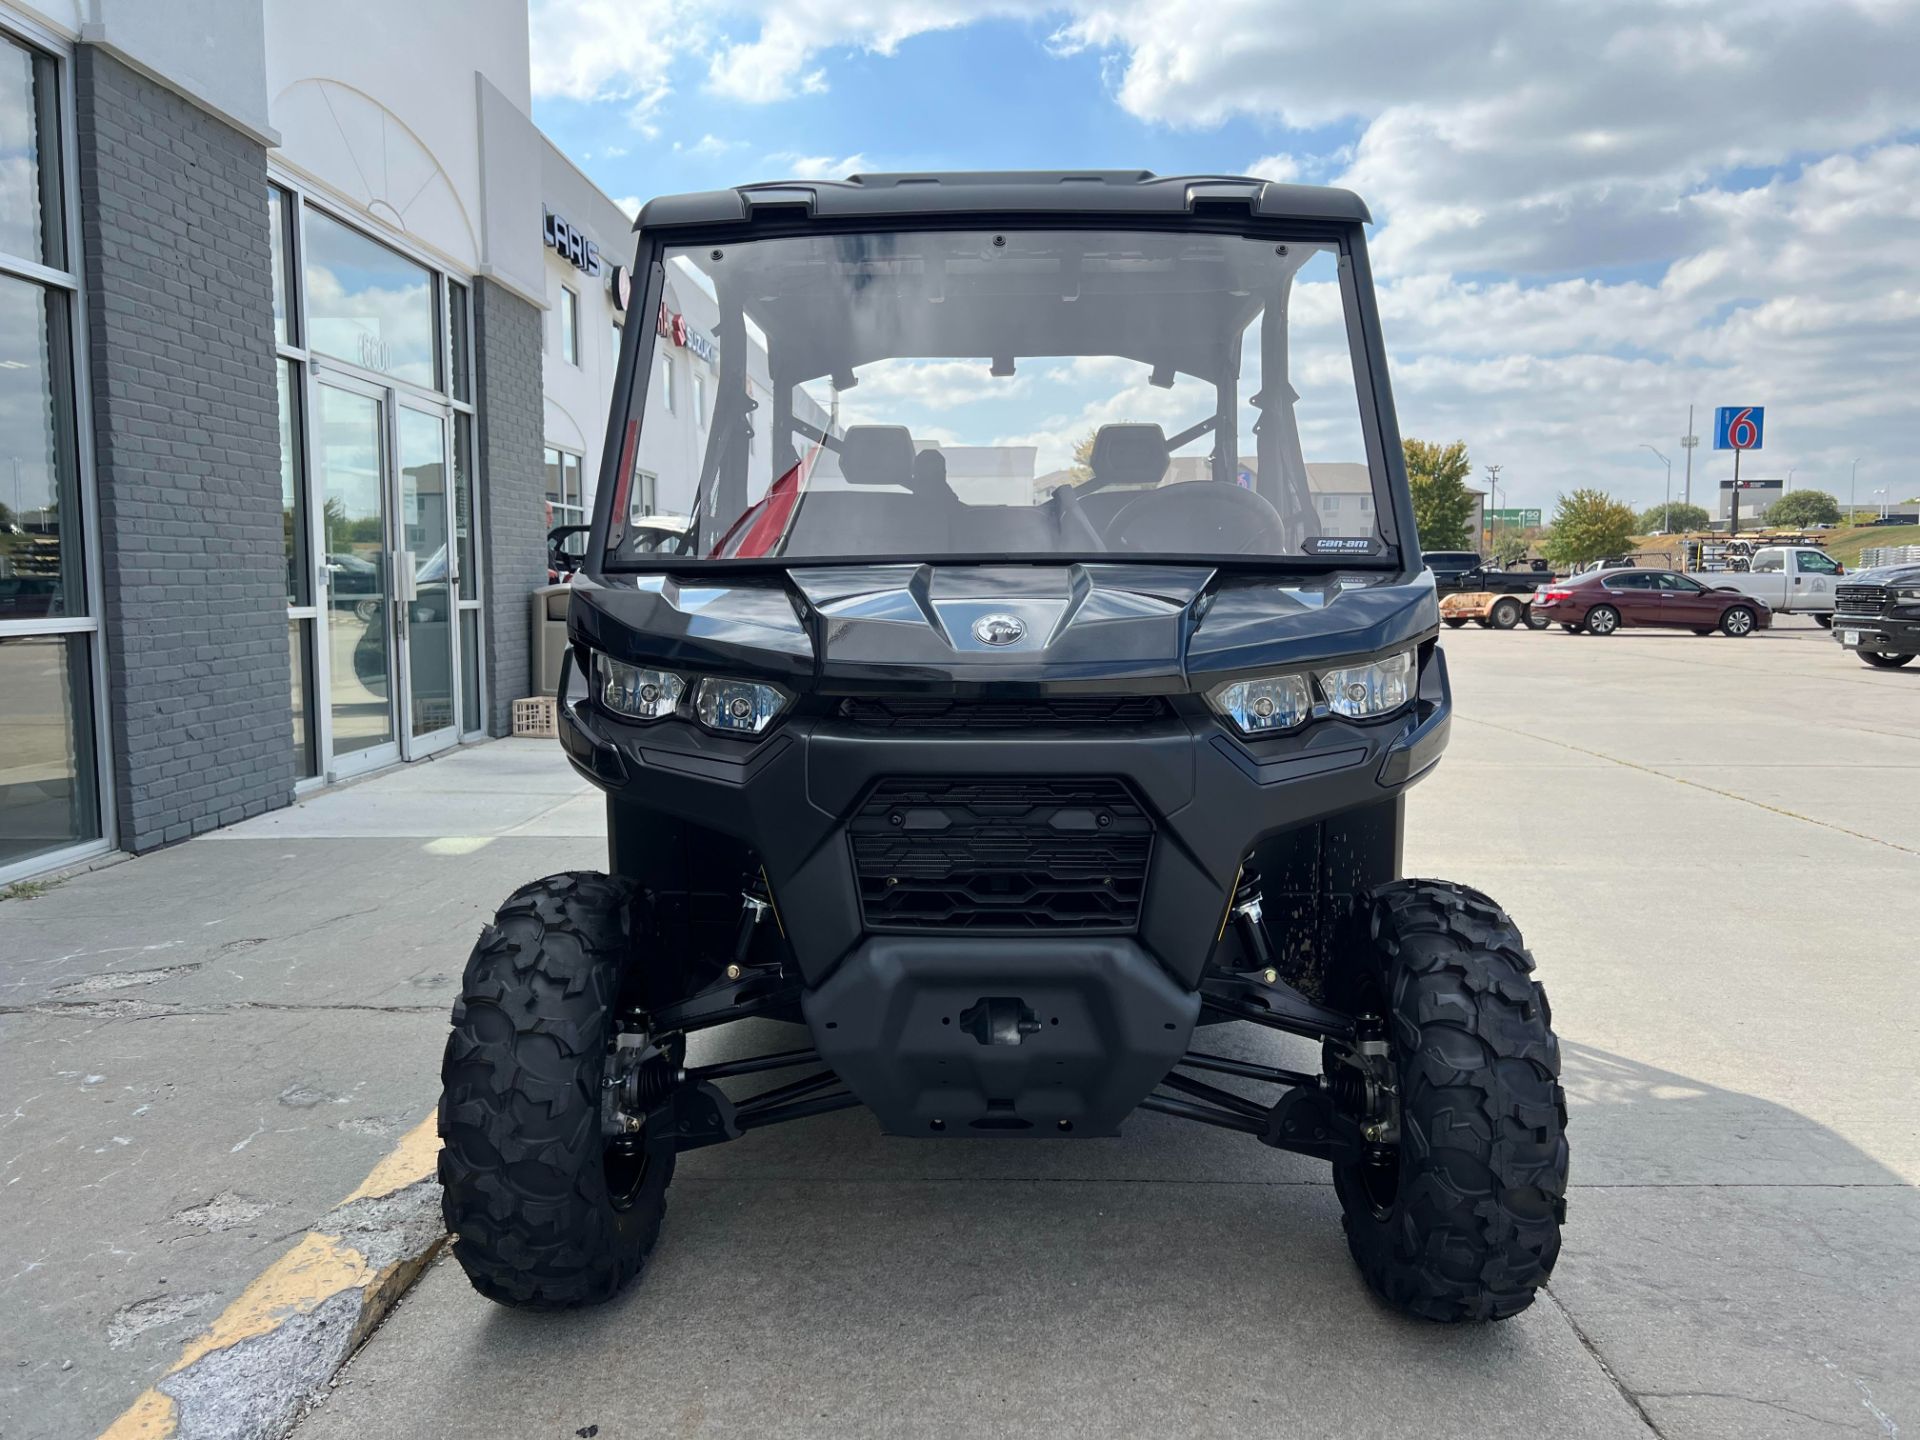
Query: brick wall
(179, 319)
(506, 334)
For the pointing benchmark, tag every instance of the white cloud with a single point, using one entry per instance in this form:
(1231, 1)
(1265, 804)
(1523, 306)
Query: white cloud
(1283, 168)
(815, 167)
(629, 205)
(709, 145)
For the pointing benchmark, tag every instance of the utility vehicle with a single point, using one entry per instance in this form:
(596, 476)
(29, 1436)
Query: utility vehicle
(1015, 726)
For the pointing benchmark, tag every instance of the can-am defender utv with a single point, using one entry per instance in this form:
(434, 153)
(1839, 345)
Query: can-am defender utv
(1034, 697)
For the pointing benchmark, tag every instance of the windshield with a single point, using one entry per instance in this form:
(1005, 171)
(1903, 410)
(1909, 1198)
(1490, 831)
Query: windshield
(927, 394)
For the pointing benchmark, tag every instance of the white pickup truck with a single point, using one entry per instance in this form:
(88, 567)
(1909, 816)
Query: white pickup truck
(1792, 579)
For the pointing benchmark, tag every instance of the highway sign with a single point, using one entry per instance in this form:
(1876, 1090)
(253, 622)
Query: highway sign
(1738, 427)
(1524, 519)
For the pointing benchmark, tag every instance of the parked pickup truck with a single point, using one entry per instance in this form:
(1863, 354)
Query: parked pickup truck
(1458, 572)
(1792, 579)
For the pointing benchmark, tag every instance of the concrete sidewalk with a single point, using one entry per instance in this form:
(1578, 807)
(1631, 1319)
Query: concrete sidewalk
(203, 1049)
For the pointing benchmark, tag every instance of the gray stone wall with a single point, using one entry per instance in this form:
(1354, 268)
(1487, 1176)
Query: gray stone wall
(180, 356)
(512, 490)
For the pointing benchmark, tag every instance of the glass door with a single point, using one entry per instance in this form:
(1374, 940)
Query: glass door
(425, 564)
(352, 481)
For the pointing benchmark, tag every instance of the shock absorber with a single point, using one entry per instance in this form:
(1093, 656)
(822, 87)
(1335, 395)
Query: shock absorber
(754, 904)
(1246, 913)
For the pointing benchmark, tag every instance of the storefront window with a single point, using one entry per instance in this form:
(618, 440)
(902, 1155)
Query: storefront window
(30, 219)
(368, 305)
(40, 570)
(48, 794)
(462, 343)
(278, 230)
(565, 505)
(293, 509)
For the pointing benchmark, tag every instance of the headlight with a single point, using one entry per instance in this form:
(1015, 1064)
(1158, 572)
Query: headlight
(636, 693)
(1358, 691)
(1907, 593)
(1271, 704)
(1265, 706)
(737, 707)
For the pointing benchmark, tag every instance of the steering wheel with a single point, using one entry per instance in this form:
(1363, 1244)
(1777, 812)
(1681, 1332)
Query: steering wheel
(1207, 517)
(1076, 530)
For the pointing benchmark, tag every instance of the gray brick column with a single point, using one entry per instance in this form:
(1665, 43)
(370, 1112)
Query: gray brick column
(506, 334)
(178, 274)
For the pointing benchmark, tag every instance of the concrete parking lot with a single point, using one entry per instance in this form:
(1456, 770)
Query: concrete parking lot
(1713, 847)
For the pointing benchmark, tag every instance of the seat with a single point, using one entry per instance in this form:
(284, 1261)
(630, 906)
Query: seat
(877, 455)
(1128, 454)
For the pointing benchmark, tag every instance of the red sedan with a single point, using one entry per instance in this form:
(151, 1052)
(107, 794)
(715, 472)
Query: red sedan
(1602, 601)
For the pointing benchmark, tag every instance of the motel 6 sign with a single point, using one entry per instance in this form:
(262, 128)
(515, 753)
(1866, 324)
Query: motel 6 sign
(1738, 427)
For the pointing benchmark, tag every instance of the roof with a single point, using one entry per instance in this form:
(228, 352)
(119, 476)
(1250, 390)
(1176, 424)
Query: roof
(1039, 192)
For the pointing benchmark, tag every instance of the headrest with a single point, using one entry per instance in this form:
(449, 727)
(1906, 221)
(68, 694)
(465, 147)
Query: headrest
(1129, 454)
(877, 455)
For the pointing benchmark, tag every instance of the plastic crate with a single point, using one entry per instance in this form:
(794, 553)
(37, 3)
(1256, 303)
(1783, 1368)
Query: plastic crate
(537, 716)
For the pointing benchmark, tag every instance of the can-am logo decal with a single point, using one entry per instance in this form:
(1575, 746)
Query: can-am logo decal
(998, 629)
(1342, 545)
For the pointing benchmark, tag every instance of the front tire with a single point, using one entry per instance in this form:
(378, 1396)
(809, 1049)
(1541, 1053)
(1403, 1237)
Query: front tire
(1881, 661)
(1505, 614)
(1823, 618)
(1602, 620)
(547, 1213)
(1738, 622)
(1464, 1223)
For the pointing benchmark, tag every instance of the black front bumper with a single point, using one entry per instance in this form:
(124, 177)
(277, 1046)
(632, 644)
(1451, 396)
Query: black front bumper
(1881, 634)
(793, 797)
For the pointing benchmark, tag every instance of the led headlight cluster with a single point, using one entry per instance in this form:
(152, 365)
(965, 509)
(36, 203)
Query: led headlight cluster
(1272, 704)
(727, 707)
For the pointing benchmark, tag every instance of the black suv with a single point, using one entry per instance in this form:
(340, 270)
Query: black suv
(1012, 724)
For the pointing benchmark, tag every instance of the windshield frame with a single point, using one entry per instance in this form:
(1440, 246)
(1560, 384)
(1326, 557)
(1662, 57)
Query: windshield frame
(637, 372)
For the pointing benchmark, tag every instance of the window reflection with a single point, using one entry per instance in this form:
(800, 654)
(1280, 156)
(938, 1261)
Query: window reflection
(366, 304)
(39, 516)
(29, 199)
(48, 796)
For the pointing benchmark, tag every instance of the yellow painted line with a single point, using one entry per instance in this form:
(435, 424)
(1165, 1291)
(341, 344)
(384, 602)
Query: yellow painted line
(319, 1267)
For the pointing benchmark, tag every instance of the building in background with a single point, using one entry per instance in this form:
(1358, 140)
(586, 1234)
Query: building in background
(304, 342)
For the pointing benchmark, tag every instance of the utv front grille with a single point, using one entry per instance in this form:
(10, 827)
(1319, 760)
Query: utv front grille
(1007, 855)
(1060, 712)
(1861, 599)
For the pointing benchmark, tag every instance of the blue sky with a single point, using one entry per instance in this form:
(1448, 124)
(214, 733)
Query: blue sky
(1588, 217)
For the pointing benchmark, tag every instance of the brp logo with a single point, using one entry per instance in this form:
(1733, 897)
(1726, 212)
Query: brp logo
(998, 629)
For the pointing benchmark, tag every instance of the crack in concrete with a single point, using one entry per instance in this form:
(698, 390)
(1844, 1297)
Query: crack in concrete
(1587, 1344)
(1742, 1399)
(158, 1009)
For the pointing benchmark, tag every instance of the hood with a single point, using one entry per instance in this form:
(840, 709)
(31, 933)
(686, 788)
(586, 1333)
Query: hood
(1885, 575)
(950, 628)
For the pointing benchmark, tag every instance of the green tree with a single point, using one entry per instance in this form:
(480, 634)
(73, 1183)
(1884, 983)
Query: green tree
(1082, 467)
(1674, 517)
(1441, 505)
(1804, 507)
(1588, 525)
(1512, 544)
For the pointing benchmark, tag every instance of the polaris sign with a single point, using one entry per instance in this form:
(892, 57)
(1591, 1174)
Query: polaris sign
(571, 245)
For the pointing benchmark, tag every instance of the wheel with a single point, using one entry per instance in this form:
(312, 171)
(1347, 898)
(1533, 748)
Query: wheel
(1506, 614)
(1822, 618)
(1737, 621)
(1537, 622)
(1602, 620)
(548, 1213)
(1881, 661)
(1453, 622)
(1570, 629)
(1485, 622)
(1461, 1220)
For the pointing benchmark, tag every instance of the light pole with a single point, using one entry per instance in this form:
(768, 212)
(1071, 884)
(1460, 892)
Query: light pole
(1493, 502)
(1687, 443)
(1666, 505)
(1882, 491)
